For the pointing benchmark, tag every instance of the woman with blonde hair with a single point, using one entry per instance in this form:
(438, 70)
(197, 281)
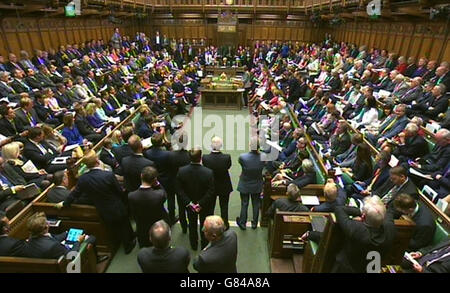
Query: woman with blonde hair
(116, 139)
(14, 168)
(92, 117)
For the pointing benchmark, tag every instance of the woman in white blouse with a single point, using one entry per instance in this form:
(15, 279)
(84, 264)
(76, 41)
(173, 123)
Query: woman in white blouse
(368, 115)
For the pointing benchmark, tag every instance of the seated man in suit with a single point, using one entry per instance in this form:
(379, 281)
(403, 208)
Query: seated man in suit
(334, 197)
(42, 244)
(438, 158)
(411, 145)
(375, 231)
(432, 259)
(390, 128)
(421, 215)
(8, 126)
(221, 253)
(26, 116)
(8, 245)
(60, 192)
(398, 183)
(289, 204)
(147, 204)
(340, 141)
(162, 258)
(40, 152)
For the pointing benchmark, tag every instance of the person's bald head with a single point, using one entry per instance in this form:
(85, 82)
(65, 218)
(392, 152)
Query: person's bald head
(213, 227)
(160, 235)
(135, 144)
(416, 81)
(443, 137)
(441, 70)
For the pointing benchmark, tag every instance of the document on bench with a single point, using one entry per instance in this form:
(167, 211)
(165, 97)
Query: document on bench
(71, 147)
(60, 160)
(29, 191)
(311, 200)
(393, 162)
(121, 109)
(316, 128)
(417, 173)
(29, 167)
(146, 143)
(337, 171)
(274, 145)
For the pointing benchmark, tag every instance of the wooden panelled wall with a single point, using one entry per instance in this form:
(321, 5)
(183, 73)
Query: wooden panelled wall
(45, 33)
(408, 39)
(248, 33)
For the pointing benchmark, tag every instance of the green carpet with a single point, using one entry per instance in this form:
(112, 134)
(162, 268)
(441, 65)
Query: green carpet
(253, 256)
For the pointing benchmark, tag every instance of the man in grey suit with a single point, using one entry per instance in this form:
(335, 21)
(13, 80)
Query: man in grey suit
(250, 183)
(221, 253)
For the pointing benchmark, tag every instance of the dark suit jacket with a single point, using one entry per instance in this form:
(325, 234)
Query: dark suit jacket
(251, 179)
(147, 207)
(424, 229)
(122, 152)
(131, 168)
(195, 183)
(437, 159)
(108, 159)
(439, 106)
(83, 126)
(414, 147)
(10, 246)
(340, 144)
(103, 189)
(305, 179)
(22, 121)
(32, 152)
(360, 239)
(328, 206)
(220, 256)
(286, 205)
(411, 95)
(7, 128)
(161, 158)
(408, 188)
(440, 266)
(219, 163)
(170, 260)
(58, 194)
(45, 247)
(19, 87)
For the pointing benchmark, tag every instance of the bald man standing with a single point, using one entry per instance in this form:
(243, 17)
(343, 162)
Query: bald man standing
(221, 253)
(220, 163)
(162, 258)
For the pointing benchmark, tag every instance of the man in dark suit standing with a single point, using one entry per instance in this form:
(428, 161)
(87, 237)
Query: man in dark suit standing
(195, 185)
(375, 232)
(103, 189)
(8, 245)
(161, 158)
(133, 165)
(220, 163)
(221, 253)
(147, 204)
(162, 258)
(421, 215)
(178, 159)
(250, 183)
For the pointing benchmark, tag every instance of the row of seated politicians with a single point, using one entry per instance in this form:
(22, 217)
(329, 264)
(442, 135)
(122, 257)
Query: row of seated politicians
(386, 114)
